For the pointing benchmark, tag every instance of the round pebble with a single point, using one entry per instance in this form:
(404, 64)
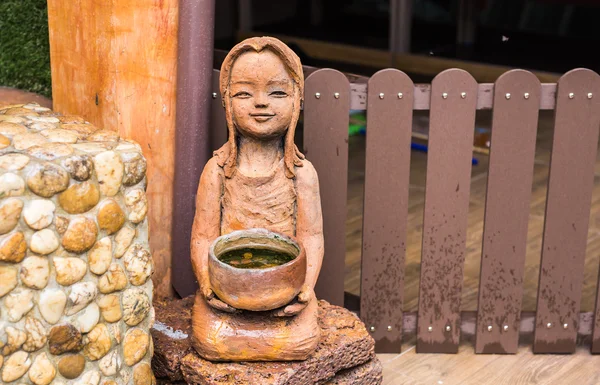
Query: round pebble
(142, 375)
(42, 372)
(97, 343)
(69, 270)
(15, 338)
(109, 169)
(15, 366)
(80, 296)
(88, 318)
(39, 213)
(35, 272)
(64, 338)
(79, 198)
(135, 346)
(11, 129)
(11, 185)
(50, 151)
(43, 242)
(26, 140)
(47, 179)
(71, 366)
(36, 335)
(18, 303)
(136, 306)
(135, 168)
(8, 279)
(110, 216)
(110, 308)
(60, 135)
(10, 212)
(137, 204)
(12, 247)
(51, 305)
(110, 365)
(114, 280)
(138, 264)
(100, 256)
(13, 162)
(103, 136)
(80, 167)
(122, 241)
(80, 235)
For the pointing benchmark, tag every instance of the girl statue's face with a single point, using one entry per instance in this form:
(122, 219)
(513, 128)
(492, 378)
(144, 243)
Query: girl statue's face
(262, 95)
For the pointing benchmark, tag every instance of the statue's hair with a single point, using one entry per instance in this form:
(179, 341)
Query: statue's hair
(292, 156)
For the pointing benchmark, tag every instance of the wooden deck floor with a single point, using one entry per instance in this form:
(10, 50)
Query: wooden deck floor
(409, 368)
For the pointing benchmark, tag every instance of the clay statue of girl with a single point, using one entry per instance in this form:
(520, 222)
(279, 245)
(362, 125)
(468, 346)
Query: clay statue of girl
(258, 179)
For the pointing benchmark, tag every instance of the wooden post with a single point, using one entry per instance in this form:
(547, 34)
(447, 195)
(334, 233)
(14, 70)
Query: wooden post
(114, 63)
(194, 99)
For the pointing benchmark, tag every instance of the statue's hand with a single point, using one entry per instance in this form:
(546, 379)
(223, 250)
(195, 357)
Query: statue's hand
(297, 305)
(215, 302)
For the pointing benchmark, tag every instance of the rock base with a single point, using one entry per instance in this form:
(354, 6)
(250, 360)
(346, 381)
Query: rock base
(345, 355)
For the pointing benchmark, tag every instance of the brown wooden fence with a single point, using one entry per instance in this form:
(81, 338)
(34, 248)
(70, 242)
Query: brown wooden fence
(453, 98)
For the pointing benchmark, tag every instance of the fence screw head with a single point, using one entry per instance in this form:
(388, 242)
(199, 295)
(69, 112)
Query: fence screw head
(565, 326)
(463, 95)
(372, 328)
(336, 95)
(507, 96)
(400, 95)
(214, 95)
(448, 328)
(430, 329)
(571, 95)
(445, 95)
(549, 325)
(505, 327)
(590, 95)
(318, 95)
(381, 95)
(389, 328)
(526, 95)
(489, 328)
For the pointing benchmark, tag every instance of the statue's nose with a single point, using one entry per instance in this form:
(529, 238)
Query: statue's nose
(261, 100)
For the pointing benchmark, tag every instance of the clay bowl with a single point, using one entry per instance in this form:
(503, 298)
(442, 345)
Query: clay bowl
(256, 289)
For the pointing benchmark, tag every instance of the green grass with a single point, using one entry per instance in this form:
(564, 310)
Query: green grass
(24, 46)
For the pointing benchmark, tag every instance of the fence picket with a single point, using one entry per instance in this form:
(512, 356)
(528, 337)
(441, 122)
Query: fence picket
(517, 96)
(452, 121)
(326, 119)
(389, 126)
(567, 211)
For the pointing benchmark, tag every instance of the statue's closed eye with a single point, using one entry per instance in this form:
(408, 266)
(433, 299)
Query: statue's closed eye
(278, 94)
(242, 94)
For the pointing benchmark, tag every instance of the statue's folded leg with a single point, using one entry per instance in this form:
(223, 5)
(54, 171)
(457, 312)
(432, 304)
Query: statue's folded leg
(252, 336)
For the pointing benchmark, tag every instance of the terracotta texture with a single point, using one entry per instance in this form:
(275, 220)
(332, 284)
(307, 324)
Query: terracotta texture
(71, 288)
(345, 354)
(258, 179)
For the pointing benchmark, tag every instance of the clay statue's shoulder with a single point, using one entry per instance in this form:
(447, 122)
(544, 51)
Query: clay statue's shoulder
(307, 175)
(220, 156)
(212, 172)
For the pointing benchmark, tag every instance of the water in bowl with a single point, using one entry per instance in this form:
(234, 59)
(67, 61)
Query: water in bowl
(251, 258)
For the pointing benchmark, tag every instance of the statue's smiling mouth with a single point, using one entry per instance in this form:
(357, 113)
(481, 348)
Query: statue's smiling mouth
(262, 116)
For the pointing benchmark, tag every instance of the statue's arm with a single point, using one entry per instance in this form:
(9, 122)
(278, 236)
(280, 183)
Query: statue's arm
(207, 221)
(309, 220)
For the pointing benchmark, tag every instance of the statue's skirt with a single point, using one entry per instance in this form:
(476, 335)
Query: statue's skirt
(254, 336)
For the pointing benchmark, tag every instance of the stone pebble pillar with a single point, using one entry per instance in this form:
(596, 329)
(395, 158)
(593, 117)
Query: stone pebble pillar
(75, 265)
